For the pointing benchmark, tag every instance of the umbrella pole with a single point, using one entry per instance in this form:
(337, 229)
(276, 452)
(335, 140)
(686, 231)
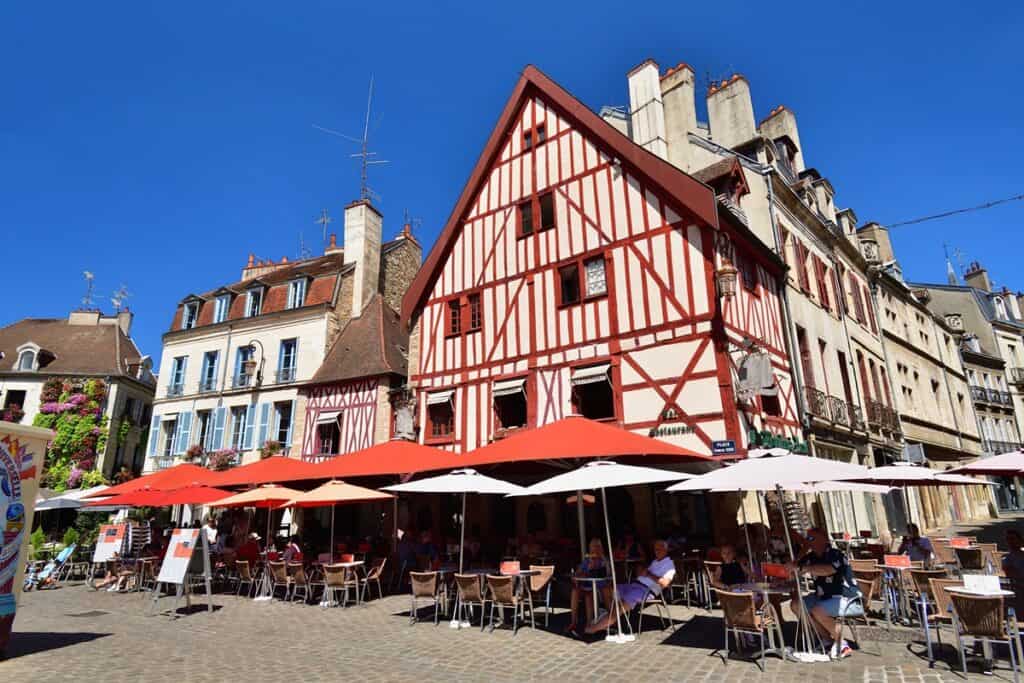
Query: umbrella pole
(853, 510)
(618, 637)
(332, 533)
(580, 524)
(764, 526)
(462, 538)
(746, 531)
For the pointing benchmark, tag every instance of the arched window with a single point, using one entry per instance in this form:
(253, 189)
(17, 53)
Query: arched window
(27, 360)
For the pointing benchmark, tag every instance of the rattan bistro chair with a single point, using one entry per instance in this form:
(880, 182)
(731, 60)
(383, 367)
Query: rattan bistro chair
(863, 565)
(741, 615)
(982, 617)
(470, 595)
(244, 576)
(710, 568)
(503, 594)
(970, 560)
(279, 577)
(376, 571)
(943, 612)
(540, 586)
(297, 573)
(424, 588)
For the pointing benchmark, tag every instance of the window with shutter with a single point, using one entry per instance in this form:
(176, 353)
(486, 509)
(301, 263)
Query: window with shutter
(837, 284)
(870, 311)
(801, 266)
(858, 301)
(822, 275)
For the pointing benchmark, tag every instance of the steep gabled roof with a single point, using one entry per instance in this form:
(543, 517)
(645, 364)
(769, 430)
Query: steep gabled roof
(690, 194)
(373, 344)
(101, 349)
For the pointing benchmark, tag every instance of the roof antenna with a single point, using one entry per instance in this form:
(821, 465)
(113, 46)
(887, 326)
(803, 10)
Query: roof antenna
(117, 299)
(87, 299)
(323, 221)
(364, 153)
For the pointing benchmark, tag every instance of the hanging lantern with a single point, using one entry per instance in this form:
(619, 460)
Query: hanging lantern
(725, 276)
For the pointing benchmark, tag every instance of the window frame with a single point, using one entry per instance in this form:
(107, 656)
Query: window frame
(221, 308)
(475, 311)
(453, 317)
(501, 429)
(574, 388)
(301, 286)
(249, 296)
(580, 263)
(430, 437)
(33, 365)
(190, 322)
(536, 213)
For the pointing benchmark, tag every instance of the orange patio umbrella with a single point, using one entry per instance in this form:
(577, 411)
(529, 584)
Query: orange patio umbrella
(185, 474)
(391, 457)
(147, 497)
(272, 470)
(332, 493)
(265, 496)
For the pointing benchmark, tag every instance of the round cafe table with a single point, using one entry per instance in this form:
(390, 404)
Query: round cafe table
(593, 581)
(986, 646)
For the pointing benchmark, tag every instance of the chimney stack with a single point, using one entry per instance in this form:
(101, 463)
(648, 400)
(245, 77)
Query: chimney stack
(879, 235)
(363, 227)
(677, 95)
(647, 113)
(124, 320)
(332, 245)
(977, 277)
(731, 112)
(781, 122)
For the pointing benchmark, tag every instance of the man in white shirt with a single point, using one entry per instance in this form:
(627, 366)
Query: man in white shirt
(211, 531)
(656, 578)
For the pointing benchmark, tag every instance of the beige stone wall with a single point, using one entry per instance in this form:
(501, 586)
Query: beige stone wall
(298, 426)
(382, 428)
(398, 269)
(414, 348)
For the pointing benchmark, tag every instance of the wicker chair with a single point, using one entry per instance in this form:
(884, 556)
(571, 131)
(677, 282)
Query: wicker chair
(982, 617)
(470, 594)
(297, 573)
(503, 594)
(710, 568)
(943, 612)
(424, 588)
(244, 576)
(279, 577)
(944, 554)
(540, 586)
(741, 615)
(376, 571)
(970, 560)
(863, 565)
(335, 581)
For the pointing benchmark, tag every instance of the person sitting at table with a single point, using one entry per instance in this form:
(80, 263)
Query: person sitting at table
(731, 572)
(917, 546)
(594, 565)
(654, 579)
(292, 551)
(835, 592)
(249, 550)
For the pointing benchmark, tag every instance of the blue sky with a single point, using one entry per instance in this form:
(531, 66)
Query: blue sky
(157, 144)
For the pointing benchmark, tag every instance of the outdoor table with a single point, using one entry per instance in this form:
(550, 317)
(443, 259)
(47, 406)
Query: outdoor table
(627, 564)
(903, 608)
(593, 581)
(354, 565)
(766, 590)
(986, 646)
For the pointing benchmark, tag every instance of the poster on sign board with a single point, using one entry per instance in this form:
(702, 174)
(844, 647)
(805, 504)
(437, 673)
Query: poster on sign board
(959, 542)
(179, 556)
(109, 541)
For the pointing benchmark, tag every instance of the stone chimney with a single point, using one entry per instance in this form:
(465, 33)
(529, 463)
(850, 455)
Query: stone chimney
(677, 96)
(977, 277)
(731, 112)
(879, 236)
(332, 245)
(647, 113)
(781, 122)
(363, 227)
(1011, 303)
(618, 120)
(84, 317)
(124, 320)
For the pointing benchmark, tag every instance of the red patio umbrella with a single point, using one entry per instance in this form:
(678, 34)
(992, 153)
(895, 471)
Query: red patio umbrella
(272, 470)
(185, 474)
(390, 457)
(187, 495)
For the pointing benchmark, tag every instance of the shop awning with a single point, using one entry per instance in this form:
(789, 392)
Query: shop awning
(508, 387)
(590, 374)
(328, 417)
(440, 397)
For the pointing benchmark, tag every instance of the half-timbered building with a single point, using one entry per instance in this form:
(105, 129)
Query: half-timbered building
(581, 274)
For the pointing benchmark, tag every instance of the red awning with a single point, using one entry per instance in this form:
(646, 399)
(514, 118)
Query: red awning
(391, 457)
(187, 495)
(272, 470)
(185, 474)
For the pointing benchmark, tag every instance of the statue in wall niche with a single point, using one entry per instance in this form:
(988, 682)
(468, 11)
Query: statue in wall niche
(405, 416)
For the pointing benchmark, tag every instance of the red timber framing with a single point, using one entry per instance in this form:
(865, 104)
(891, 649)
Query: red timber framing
(644, 239)
(353, 407)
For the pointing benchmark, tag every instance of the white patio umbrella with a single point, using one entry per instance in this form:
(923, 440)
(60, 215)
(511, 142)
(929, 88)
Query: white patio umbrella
(70, 500)
(458, 481)
(1003, 465)
(601, 475)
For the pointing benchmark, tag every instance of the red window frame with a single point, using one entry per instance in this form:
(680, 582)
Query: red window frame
(858, 301)
(580, 263)
(474, 305)
(438, 431)
(870, 311)
(453, 312)
(525, 208)
(534, 137)
(801, 264)
(534, 208)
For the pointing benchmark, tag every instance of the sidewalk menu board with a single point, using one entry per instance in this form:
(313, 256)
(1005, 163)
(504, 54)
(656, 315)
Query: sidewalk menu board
(179, 556)
(109, 542)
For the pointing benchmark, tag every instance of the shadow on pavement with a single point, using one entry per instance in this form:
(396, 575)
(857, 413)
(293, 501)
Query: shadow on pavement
(30, 642)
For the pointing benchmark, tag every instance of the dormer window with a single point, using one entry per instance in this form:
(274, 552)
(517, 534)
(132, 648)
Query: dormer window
(253, 303)
(221, 306)
(27, 360)
(1000, 308)
(297, 293)
(190, 315)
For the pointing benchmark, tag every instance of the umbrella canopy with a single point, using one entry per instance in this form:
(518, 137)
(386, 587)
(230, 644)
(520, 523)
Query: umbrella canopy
(599, 475)
(185, 474)
(274, 469)
(265, 496)
(188, 495)
(1005, 465)
(71, 500)
(391, 457)
(457, 481)
(334, 492)
(911, 475)
(768, 472)
(761, 452)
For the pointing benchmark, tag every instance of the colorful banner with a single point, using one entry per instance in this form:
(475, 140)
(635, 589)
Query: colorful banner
(109, 542)
(22, 450)
(179, 556)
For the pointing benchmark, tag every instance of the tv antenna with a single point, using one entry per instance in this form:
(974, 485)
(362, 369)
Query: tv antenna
(89, 277)
(364, 153)
(117, 299)
(323, 221)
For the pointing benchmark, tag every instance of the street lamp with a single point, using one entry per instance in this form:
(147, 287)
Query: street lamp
(725, 277)
(250, 366)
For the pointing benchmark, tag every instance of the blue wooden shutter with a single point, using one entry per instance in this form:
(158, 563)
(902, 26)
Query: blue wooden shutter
(280, 357)
(184, 369)
(154, 435)
(264, 414)
(291, 423)
(216, 367)
(184, 432)
(250, 417)
(208, 437)
(218, 428)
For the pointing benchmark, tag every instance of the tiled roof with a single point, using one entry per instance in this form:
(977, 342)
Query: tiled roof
(70, 349)
(373, 344)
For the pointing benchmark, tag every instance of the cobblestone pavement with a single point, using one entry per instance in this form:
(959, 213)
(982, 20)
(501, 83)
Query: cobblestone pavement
(75, 633)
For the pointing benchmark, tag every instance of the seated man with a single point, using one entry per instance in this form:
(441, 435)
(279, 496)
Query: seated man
(249, 551)
(654, 579)
(835, 591)
(292, 551)
(731, 572)
(595, 565)
(917, 546)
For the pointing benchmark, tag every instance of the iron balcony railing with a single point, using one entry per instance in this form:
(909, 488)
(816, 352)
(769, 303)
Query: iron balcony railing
(817, 402)
(162, 462)
(1017, 375)
(857, 415)
(833, 409)
(997, 447)
(207, 385)
(285, 375)
(979, 393)
(175, 389)
(241, 381)
(986, 395)
(838, 411)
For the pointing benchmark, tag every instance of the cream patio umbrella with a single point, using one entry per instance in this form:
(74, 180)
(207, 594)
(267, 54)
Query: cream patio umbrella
(332, 493)
(1003, 465)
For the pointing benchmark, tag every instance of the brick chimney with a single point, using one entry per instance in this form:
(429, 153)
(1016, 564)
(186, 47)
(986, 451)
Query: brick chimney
(977, 277)
(363, 227)
(731, 112)
(332, 245)
(647, 113)
(677, 95)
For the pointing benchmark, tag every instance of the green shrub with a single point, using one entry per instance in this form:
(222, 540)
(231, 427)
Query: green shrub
(37, 539)
(70, 536)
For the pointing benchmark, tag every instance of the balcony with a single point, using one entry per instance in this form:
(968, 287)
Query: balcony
(175, 389)
(1017, 375)
(207, 385)
(979, 393)
(241, 381)
(997, 447)
(285, 375)
(857, 416)
(833, 409)
(162, 462)
(994, 396)
(882, 416)
(817, 403)
(838, 411)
